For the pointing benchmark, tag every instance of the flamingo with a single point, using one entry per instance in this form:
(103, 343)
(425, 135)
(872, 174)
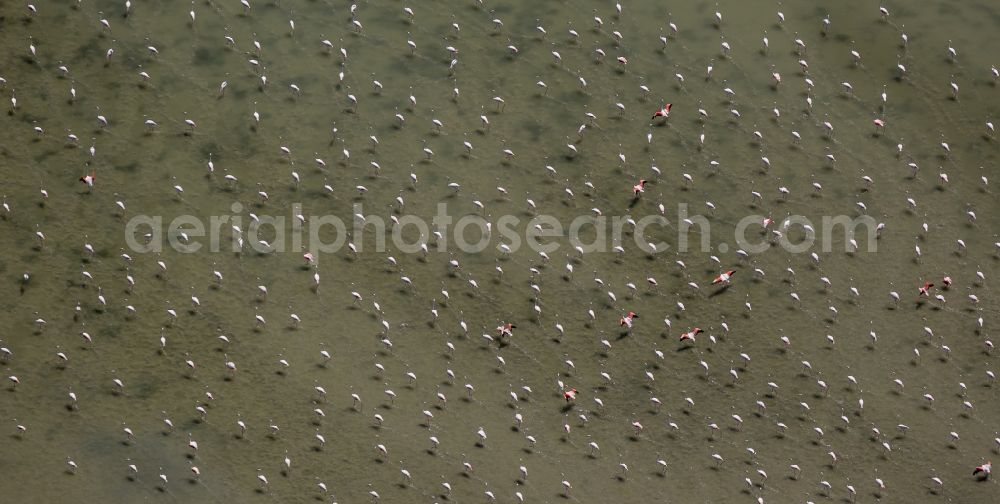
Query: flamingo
(984, 469)
(506, 329)
(89, 179)
(640, 187)
(627, 319)
(570, 395)
(663, 112)
(691, 334)
(724, 278)
(925, 289)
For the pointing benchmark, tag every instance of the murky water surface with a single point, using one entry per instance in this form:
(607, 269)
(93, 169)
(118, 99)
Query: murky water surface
(91, 337)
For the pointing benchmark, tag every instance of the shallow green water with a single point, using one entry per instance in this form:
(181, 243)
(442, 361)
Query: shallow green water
(140, 167)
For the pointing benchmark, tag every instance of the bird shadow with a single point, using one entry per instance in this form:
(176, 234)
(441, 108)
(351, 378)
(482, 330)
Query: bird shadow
(720, 291)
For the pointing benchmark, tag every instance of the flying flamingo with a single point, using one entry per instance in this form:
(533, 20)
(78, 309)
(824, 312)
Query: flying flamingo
(691, 334)
(627, 319)
(724, 278)
(570, 395)
(89, 179)
(506, 329)
(663, 112)
(925, 289)
(984, 469)
(640, 187)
